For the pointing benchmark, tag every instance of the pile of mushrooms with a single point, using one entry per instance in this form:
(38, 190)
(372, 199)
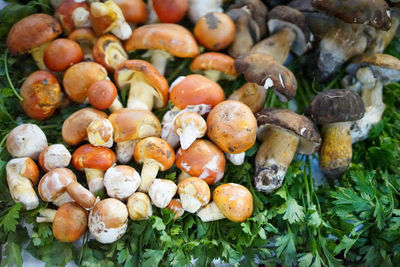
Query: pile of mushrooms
(91, 52)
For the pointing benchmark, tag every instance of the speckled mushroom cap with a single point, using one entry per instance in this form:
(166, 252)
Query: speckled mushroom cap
(335, 105)
(304, 128)
(265, 71)
(214, 61)
(157, 149)
(93, 157)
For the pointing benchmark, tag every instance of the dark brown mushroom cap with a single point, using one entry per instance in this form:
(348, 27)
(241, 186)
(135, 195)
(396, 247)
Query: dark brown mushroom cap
(258, 68)
(375, 13)
(258, 12)
(335, 105)
(303, 127)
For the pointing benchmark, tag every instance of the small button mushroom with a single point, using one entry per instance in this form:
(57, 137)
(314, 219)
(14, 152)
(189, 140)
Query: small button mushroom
(139, 206)
(130, 126)
(155, 154)
(26, 140)
(22, 175)
(121, 182)
(94, 161)
(283, 133)
(41, 94)
(135, 11)
(232, 127)
(81, 195)
(202, 159)
(161, 192)
(164, 41)
(251, 94)
(100, 133)
(148, 89)
(335, 109)
(78, 78)
(61, 54)
(74, 128)
(215, 66)
(103, 94)
(73, 14)
(32, 35)
(199, 8)
(69, 221)
(231, 201)
(215, 31)
(189, 126)
(86, 38)
(108, 17)
(54, 156)
(170, 11)
(194, 194)
(53, 185)
(108, 220)
(175, 206)
(265, 71)
(108, 51)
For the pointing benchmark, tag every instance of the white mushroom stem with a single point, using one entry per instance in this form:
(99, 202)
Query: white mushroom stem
(152, 16)
(359, 130)
(141, 94)
(94, 180)
(62, 199)
(37, 54)
(116, 105)
(371, 87)
(46, 216)
(149, 173)
(213, 75)
(125, 150)
(182, 176)
(210, 213)
(188, 135)
(80, 16)
(159, 59)
(236, 159)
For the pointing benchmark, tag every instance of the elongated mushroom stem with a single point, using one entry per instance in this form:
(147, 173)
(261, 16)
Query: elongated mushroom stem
(213, 75)
(149, 174)
(46, 215)
(141, 94)
(124, 150)
(159, 59)
(94, 179)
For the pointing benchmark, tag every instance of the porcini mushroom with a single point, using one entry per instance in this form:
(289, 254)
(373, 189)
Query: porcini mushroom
(175, 206)
(109, 52)
(189, 126)
(81, 195)
(199, 8)
(194, 194)
(100, 133)
(103, 94)
(73, 14)
(170, 11)
(251, 94)
(258, 11)
(139, 206)
(86, 38)
(61, 54)
(161, 192)
(54, 156)
(121, 181)
(215, 66)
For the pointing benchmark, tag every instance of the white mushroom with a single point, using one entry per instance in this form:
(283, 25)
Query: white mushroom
(161, 192)
(54, 156)
(121, 182)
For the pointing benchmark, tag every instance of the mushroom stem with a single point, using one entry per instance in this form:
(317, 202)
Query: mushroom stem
(37, 54)
(125, 150)
(210, 213)
(159, 59)
(141, 94)
(188, 135)
(46, 215)
(116, 105)
(61, 199)
(336, 149)
(80, 16)
(123, 31)
(149, 173)
(182, 176)
(236, 159)
(273, 159)
(94, 179)
(213, 75)
(360, 128)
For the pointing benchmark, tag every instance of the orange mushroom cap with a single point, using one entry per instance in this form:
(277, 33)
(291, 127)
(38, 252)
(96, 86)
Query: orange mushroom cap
(170, 11)
(134, 10)
(157, 149)
(61, 54)
(64, 13)
(93, 157)
(102, 94)
(81, 195)
(214, 61)
(70, 222)
(176, 207)
(31, 171)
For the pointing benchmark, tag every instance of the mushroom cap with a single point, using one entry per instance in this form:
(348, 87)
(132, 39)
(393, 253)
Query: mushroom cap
(61, 54)
(64, 13)
(103, 16)
(176, 40)
(214, 61)
(202, 159)
(176, 207)
(83, 35)
(25, 167)
(102, 94)
(78, 78)
(195, 89)
(26, 140)
(109, 52)
(157, 149)
(54, 156)
(264, 70)
(54, 183)
(335, 105)
(81, 195)
(161, 192)
(192, 189)
(215, 31)
(74, 129)
(190, 119)
(134, 10)
(251, 94)
(93, 157)
(170, 11)
(100, 133)
(31, 32)
(126, 71)
(234, 201)
(121, 181)
(304, 128)
(70, 222)
(41, 94)
(130, 124)
(232, 126)
(139, 206)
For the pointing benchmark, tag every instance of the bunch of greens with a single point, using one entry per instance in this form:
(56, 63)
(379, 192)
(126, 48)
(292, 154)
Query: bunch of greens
(353, 221)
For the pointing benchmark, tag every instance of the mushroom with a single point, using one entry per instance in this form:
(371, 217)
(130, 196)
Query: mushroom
(73, 14)
(175, 206)
(22, 175)
(103, 94)
(202, 159)
(109, 52)
(108, 220)
(26, 140)
(139, 206)
(69, 221)
(94, 161)
(81, 195)
(100, 133)
(283, 133)
(33, 34)
(194, 194)
(152, 16)
(215, 66)
(231, 201)
(135, 11)
(215, 31)
(108, 17)
(189, 126)
(130, 126)
(53, 185)
(148, 89)
(155, 154)
(61, 54)
(251, 94)
(258, 11)
(54, 156)
(41, 94)
(163, 42)
(232, 127)
(335, 109)
(74, 128)
(199, 8)
(170, 11)
(121, 182)
(161, 192)
(85, 38)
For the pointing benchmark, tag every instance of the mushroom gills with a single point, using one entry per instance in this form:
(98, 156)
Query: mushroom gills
(210, 213)
(114, 54)
(94, 179)
(149, 173)
(38, 53)
(188, 135)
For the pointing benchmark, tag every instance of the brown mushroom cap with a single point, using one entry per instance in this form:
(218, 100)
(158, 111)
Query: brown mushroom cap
(54, 183)
(93, 157)
(134, 10)
(170, 11)
(304, 128)
(109, 52)
(335, 105)
(41, 94)
(31, 32)
(70, 222)
(61, 54)
(232, 126)
(81, 195)
(102, 94)
(214, 61)
(64, 13)
(157, 149)
(176, 40)
(251, 94)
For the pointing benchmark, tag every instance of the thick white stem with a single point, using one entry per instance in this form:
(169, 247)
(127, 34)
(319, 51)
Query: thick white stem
(116, 105)
(159, 59)
(210, 213)
(141, 95)
(360, 129)
(214, 75)
(46, 215)
(62, 199)
(94, 180)
(125, 150)
(236, 159)
(149, 173)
